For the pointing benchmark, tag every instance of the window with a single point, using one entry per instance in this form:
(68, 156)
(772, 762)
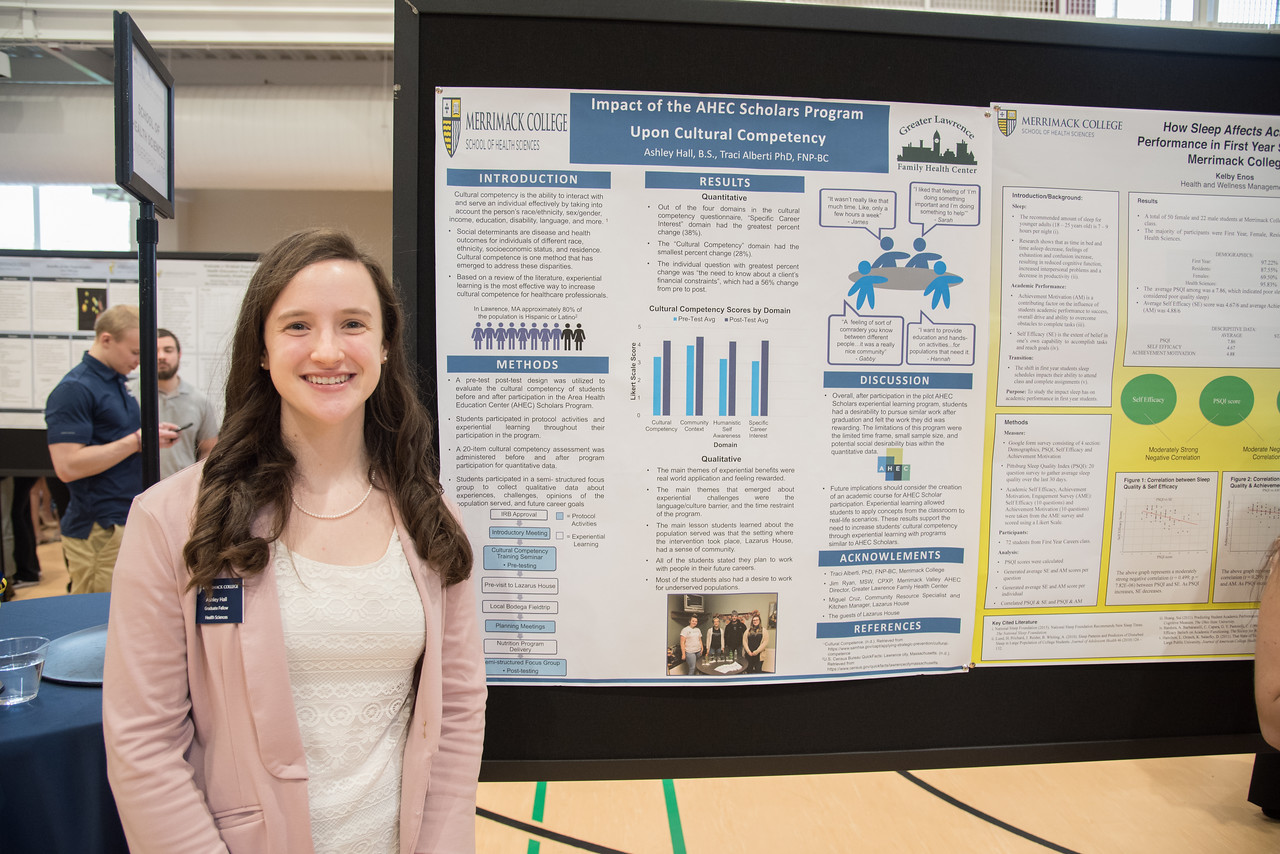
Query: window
(66, 217)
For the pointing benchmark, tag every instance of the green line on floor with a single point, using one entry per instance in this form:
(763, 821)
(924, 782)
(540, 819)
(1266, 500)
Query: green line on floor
(673, 817)
(539, 807)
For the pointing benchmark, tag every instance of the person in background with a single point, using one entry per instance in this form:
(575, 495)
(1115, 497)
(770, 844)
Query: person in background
(733, 633)
(183, 404)
(293, 658)
(691, 646)
(715, 637)
(21, 563)
(754, 642)
(95, 439)
(1266, 662)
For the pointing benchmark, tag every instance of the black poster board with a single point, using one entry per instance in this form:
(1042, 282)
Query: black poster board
(989, 715)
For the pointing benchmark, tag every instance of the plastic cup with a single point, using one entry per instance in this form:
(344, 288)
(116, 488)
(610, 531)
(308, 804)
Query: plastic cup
(21, 663)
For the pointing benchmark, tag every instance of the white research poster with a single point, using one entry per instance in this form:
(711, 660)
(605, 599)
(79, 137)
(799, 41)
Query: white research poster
(1134, 484)
(702, 356)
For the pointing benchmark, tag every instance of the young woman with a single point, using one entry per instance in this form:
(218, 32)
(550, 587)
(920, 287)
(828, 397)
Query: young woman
(1266, 661)
(754, 642)
(715, 637)
(293, 657)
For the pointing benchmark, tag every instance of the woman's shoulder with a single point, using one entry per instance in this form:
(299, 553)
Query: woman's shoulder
(175, 492)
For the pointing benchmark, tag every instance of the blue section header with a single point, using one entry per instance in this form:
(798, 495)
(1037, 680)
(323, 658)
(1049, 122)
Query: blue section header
(728, 133)
(527, 365)
(902, 626)
(862, 557)
(528, 178)
(723, 181)
(895, 379)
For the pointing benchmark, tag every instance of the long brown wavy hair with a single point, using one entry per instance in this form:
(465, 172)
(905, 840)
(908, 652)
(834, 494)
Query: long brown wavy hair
(250, 469)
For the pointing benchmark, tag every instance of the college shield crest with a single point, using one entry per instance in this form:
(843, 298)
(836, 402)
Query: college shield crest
(1006, 120)
(451, 123)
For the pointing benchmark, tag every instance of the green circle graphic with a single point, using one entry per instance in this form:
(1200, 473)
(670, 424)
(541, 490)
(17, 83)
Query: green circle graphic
(1226, 401)
(1148, 399)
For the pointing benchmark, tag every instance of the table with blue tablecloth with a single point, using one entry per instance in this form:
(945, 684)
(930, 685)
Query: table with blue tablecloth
(54, 796)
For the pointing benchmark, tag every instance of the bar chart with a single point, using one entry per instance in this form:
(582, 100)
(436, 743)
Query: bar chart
(724, 362)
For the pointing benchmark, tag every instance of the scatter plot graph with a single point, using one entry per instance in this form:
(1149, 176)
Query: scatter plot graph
(1182, 523)
(1250, 525)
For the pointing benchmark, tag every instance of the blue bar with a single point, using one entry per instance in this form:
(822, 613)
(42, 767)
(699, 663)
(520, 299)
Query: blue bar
(527, 364)
(715, 132)
(895, 379)
(874, 557)
(889, 626)
(657, 386)
(733, 378)
(724, 387)
(755, 388)
(698, 378)
(666, 378)
(764, 378)
(719, 181)
(690, 368)
(535, 179)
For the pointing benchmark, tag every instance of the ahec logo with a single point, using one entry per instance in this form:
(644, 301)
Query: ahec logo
(891, 465)
(451, 123)
(1006, 120)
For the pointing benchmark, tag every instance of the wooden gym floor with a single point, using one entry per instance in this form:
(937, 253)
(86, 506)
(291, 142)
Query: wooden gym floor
(1187, 805)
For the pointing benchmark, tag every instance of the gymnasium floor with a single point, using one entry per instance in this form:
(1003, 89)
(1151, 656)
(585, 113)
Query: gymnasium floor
(1171, 806)
(1188, 805)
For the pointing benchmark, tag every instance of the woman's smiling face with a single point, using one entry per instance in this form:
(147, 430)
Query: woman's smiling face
(324, 345)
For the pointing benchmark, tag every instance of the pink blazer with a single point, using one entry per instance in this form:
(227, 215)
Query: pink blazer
(203, 748)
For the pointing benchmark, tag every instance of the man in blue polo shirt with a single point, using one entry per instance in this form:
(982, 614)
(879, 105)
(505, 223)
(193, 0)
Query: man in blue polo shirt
(95, 436)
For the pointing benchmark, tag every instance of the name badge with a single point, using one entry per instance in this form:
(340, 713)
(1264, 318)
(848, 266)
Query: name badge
(226, 605)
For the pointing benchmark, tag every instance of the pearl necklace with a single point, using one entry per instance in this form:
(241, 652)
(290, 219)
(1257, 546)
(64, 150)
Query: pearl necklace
(357, 506)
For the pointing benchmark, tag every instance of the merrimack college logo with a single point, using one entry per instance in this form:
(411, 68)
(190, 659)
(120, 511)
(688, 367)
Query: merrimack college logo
(451, 123)
(1006, 120)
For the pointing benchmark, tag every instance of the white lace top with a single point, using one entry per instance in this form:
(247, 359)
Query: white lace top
(354, 635)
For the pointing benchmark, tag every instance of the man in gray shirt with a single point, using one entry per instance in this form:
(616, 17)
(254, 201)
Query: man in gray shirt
(183, 404)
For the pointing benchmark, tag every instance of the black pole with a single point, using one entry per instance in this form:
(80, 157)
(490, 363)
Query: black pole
(149, 392)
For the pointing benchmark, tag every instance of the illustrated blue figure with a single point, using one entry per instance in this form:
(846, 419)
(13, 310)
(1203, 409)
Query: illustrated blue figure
(940, 287)
(502, 337)
(488, 335)
(511, 335)
(477, 335)
(522, 335)
(922, 258)
(889, 258)
(554, 335)
(866, 285)
(542, 335)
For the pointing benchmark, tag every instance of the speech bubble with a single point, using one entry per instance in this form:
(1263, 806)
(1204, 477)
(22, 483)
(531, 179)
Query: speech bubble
(931, 205)
(930, 343)
(858, 339)
(874, 210)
